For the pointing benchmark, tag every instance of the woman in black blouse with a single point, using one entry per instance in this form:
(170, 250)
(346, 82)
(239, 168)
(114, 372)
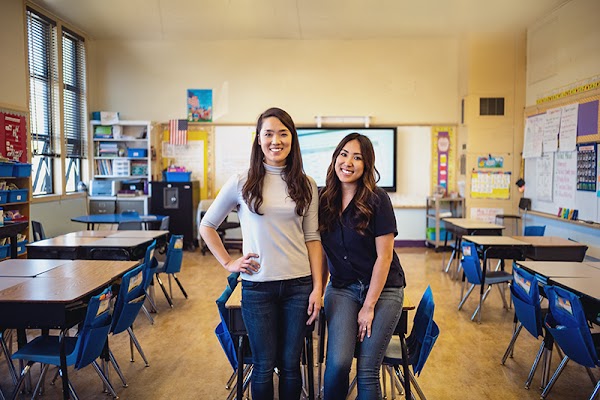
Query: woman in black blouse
(363, 300)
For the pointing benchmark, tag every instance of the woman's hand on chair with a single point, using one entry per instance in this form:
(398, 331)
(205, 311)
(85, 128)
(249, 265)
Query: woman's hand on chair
(314, 305)
(244, 264)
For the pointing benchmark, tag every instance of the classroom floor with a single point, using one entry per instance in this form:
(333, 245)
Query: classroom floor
(186, 360)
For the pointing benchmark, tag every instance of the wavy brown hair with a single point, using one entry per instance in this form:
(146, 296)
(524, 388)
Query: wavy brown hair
(330, 198)
(298, 185)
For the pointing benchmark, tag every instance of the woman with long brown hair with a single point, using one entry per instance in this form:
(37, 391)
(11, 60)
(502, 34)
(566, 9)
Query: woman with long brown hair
(363, 300)
(281, 265)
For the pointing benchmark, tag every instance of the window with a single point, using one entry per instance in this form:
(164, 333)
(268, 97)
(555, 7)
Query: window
(57, 102)
(491, 106)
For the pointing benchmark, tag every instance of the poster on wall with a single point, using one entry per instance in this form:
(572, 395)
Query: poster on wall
(565, 178)
(545, 168)
(199, 105)
(485, 214)
(13, 136)
(490, 185)
(587, 155)
(443, 149)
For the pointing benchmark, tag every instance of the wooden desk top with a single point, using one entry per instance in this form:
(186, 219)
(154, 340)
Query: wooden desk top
(566, 269)
(116, 242)
(495, 241)
(586, 286)
(549, 241)
(6, 283)
(235, 300)
(467, 223)
(66, 283)
(18, 267)
(593, 264)
(98, 234)
(64, 241)
(138, 234)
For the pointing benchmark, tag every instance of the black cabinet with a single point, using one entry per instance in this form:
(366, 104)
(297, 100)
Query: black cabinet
(179, 201)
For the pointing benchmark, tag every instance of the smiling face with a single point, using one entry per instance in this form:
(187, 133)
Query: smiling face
(275, 141)
(349, 164)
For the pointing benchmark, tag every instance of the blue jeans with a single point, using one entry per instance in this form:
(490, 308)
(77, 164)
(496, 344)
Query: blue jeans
(275, 315)
(341, 310)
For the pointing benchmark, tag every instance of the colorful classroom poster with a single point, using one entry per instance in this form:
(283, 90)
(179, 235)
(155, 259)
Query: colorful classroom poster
(199, 105)
(443, 149)
(485, 214)
(13, 136)
(490, 185)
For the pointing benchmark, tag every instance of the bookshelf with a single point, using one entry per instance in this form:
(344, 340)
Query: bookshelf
(122, 167)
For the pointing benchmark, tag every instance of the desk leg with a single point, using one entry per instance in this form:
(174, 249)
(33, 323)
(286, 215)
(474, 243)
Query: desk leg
(63, 365)
(311, 366)
(405, 367)
(13, 247)
(240, 370)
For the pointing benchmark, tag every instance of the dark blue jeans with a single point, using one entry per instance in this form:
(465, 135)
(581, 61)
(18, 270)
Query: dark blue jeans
(341, 310)
(275, 315)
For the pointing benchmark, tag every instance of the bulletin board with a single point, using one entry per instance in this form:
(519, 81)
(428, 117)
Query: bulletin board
(563, 173)
(13, 134)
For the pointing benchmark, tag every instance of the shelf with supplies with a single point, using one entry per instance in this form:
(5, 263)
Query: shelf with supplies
(122, 165)
(14, 203)
(436, 209)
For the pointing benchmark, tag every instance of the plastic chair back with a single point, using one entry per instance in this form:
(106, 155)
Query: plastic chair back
(164, 224)
(222, 331)
(174, 256)
(94, 332)
(567, 323)
(130, 299)
(150, 264)
(129, 226)
(38, 231)
(470, 263)
(526, 298)
(534, 230)
(424, 332)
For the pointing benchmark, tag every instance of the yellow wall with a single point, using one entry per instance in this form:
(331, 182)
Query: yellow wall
(13, 68)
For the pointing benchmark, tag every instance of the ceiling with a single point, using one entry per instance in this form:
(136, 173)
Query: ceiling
(294, 19)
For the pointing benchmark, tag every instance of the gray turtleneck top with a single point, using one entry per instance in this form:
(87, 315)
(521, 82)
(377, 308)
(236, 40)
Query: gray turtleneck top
(279, 235)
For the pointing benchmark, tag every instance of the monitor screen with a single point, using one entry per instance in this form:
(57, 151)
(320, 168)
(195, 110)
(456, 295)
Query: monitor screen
(317, 146)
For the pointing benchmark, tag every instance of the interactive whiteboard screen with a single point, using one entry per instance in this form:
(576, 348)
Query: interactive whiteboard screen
(317, 146)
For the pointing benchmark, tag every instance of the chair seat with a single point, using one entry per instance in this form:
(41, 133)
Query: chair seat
(393, 354)
(45, 349)
(492, 277)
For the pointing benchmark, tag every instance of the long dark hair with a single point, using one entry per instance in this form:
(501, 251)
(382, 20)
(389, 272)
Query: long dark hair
(298, 185)
(330, 198)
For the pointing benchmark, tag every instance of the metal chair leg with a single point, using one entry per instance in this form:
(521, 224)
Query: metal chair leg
(11, 366)
(534, 366)
(596, 391)
(115, 365)
(104, 379)
(462, 302)
(147, 313)
(511, 345)
(557, 373)
(180, 286)
(162, 286)
(137, 345)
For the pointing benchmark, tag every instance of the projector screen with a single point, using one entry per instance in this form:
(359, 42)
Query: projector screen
(317, 146)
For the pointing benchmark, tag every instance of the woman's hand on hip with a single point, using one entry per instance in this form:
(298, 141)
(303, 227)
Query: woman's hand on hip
(244, 264)
(314, 306)
(365, 319)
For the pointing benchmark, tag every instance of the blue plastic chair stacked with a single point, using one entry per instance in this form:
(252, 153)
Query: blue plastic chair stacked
(528, 314)
(568, 325)
(475, 275)
(419, 343)
(81, 350)
(172, 266)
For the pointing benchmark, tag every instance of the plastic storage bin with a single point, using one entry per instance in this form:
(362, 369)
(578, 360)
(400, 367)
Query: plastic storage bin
(431, 234)
(3, 196)
(17, 196)
(4, 250)
(21, 170)
(21, 247)
(137, 153)
(177, 176)
(6, 169)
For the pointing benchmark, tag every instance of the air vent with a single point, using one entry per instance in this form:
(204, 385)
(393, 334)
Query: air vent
(491, 106)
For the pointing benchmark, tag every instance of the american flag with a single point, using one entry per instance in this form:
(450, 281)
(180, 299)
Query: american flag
(178, 129)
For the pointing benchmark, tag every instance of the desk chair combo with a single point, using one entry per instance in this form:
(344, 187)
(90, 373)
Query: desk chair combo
(171, 266)
(475, 274)
(81, 350)
(568, 325)
(526, 298)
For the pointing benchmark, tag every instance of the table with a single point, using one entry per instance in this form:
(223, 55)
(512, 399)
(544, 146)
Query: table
(56, 299)
(556, 269)
(92, 220)
(27, 268)
(236, 327)
(553, 248)
(501, 247)
(463, 227)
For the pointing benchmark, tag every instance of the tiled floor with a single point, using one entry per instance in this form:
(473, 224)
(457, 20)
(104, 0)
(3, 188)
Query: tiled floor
(186, 360)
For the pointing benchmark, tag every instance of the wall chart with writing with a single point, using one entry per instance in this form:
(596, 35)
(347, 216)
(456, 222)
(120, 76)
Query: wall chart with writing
(587, 156)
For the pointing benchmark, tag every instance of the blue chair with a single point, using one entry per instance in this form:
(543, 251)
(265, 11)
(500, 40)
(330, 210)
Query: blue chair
(476, 275)
(130, 225)
(525, 296)
(81, 350)
(127, 306)
(150, 264)
(534, 230)
(568, 325)
(419, 343)
(171, 266)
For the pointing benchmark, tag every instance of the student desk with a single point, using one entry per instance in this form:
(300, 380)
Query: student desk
(27, 268)
(92, 220)
(56, 299)
(463, 227)
(556, 269)
(552, 248)
(501, 247)
(237, 328)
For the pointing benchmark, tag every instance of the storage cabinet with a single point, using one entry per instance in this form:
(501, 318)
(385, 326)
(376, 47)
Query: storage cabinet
(438, 208)
(121, 164)
(15, 191)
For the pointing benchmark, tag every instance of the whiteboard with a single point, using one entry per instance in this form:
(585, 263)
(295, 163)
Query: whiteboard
(233, 145)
